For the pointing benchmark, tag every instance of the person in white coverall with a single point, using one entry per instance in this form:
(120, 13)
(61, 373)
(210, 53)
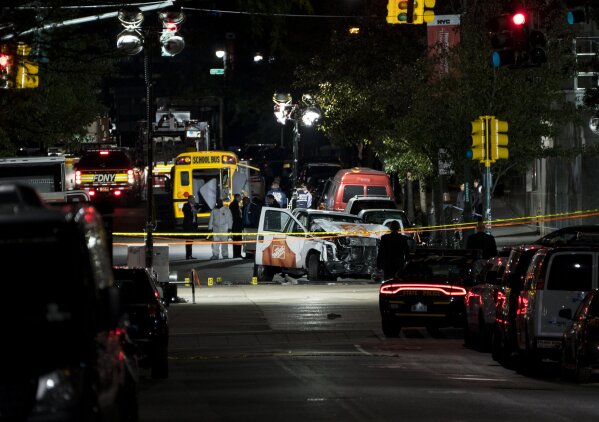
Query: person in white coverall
(221, 221)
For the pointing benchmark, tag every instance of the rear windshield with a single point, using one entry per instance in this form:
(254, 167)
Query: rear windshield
(379, 217)
(134, 287)
(438, 267)
(376, 191)
(349, 191)
(358, 206)
(113, 159)
(572, 272)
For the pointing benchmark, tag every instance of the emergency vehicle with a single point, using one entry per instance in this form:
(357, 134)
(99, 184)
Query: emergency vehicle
(109, 175)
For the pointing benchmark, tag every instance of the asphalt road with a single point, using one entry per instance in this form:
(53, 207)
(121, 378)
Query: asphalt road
(305, 352)
(299, 351)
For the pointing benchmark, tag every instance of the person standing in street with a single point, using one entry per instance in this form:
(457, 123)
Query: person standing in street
(237, 225)
(477, 198)
(220, 223)
(482, 241)
(304, 197)
(394, 251)
(190, 223)
(278, 194)
(271, 201)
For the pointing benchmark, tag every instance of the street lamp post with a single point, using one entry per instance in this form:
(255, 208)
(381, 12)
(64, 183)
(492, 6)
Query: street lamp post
(304, 112)
(132, 41)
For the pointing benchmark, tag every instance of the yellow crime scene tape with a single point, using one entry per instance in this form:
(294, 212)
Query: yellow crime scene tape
(164, 237)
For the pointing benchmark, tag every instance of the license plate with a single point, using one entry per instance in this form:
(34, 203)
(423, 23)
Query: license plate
(419, 307)
(103, 189)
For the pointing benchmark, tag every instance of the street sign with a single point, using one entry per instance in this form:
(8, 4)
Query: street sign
(217, 71)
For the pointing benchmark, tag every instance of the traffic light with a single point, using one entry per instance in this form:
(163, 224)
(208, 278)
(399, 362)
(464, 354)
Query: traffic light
(6, 68)
(423, 11)
(479, 140)
(405, 11)
(577, 11)
(392, 11)
(27, 69)
(498, 139)
(172, 43)
(537, 43)
(509, 38)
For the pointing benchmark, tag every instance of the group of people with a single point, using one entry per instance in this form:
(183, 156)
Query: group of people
(223, 220)
(277, 198)
(394, 251)
(476, 198)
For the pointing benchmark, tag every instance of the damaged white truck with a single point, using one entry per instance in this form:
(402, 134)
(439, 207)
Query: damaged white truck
(323, 245)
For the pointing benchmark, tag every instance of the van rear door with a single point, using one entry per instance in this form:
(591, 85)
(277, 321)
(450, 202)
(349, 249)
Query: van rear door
(569, 277)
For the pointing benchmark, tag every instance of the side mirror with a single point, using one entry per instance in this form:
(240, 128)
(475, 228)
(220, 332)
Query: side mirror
(565, 313)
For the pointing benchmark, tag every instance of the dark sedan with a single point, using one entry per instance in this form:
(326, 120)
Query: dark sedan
(148, 317)
(429, 292)
(580, 345)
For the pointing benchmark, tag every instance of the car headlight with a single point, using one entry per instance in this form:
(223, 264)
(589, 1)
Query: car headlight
(57, 390)
(330, 252)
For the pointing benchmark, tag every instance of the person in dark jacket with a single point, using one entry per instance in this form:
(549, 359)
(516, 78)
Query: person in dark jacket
(190, 223)
(253, 212)
(483, 241)
(237, 224)
(394, 251)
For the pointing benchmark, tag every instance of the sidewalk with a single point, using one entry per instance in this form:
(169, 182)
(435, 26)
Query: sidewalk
(510, 235)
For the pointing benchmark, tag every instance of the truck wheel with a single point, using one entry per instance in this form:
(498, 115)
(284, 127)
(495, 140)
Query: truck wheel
(263, 272)
(313, 267)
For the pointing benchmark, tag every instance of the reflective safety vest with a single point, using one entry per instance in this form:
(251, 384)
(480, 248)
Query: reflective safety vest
(304, 199)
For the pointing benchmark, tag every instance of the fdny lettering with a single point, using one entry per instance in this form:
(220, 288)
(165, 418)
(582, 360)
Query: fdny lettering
(100, 178)
(207, 160)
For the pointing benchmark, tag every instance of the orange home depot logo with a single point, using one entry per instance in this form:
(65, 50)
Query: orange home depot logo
(354, 229)
(278, 254)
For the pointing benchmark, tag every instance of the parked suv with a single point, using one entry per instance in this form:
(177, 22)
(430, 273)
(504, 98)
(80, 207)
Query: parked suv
(148, 318)
(557, 278)
(481, 302)
(503, 344)
(64, 354)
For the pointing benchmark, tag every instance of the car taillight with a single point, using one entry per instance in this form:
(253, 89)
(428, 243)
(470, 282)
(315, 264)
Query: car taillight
(130, 177)
(447, 289)
(152, 310)
(117, 193)
(92, 193)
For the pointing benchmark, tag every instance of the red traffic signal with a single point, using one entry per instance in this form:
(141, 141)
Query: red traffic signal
(5, 61)
(519, 18)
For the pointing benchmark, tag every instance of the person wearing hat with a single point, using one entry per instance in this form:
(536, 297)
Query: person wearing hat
(393, 252)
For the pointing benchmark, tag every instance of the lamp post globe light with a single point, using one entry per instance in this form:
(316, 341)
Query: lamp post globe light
(131, 41)
(304, 113)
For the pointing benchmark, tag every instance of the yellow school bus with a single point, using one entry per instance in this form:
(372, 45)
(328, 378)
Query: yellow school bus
(209, 175)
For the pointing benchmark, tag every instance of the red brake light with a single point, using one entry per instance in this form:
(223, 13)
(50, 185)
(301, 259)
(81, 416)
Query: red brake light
(117, 193)
(447, 289)
(92, 193)
(104, 152)
(228, 159)
(186, 159)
